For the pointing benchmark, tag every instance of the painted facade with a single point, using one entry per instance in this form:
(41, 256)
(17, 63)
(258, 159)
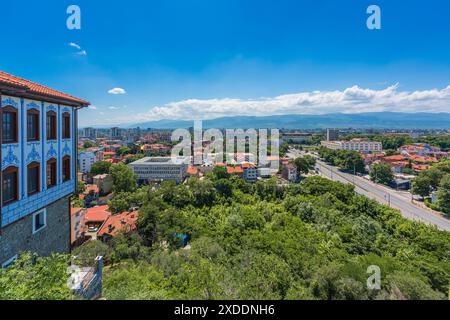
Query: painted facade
(21, 154)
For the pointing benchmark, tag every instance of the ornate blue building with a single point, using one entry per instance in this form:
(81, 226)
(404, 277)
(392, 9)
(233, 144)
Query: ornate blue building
(38, 164)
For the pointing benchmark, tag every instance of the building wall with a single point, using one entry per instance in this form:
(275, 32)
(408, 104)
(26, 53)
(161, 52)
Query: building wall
(23, 153)
(55, 237)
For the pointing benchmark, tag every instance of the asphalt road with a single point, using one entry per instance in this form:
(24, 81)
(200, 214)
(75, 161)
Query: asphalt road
(395, 199)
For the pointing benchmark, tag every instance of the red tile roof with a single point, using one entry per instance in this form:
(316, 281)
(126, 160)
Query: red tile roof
(394, 158)
(192, 170)
(246, 165)
(125, 221)
(97, 214)
(231, 170)
(37, 89)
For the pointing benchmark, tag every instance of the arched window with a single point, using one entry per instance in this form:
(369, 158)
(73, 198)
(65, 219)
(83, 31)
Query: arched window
(33, 125)
(10, 187)
(51, 125)
(66, 125)
(33, 178)
(66, 168)
(9, 124)
(51, 173)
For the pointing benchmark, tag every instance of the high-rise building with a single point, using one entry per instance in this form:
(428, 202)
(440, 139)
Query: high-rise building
(90, 133)
(332, 134)
(38, 164)
(116, 133)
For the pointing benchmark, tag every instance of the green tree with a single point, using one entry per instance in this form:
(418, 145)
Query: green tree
(100, 167)
(421, 186)
(443, 194)
(123, 177)
(220, 172)
(86, 253)
(305, 164)
(88, 144)
(81, 187)
(123, 151)
(36, 278)
(381, 173)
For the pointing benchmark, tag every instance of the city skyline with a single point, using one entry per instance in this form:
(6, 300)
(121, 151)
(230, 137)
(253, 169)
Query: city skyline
(194, 60)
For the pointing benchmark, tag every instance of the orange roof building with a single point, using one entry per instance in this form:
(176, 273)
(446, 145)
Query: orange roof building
(97, 214)
(32, 90)
(124, 222)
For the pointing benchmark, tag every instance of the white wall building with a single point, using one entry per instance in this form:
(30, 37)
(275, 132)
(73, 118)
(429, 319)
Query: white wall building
(160, 168)
(355, 145)
(86, 160)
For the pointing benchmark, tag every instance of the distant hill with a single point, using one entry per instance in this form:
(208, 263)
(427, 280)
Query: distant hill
(376, 120)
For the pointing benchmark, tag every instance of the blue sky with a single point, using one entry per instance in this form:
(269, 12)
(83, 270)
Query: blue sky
(183, 57)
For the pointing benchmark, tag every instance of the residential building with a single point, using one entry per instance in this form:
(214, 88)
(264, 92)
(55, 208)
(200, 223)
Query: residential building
(95, 217)
(355, 145)
(150, 169)
(250, 172)
(85, 161)
(332, 134)
(77, 228)
(116, 133)
(235, 170)
(38, 163)
(90, 133)
(104, 182)
(296, 137)
(290, 173)
(115, 224)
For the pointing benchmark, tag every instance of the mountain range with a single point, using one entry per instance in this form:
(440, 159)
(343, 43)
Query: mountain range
(374, 120)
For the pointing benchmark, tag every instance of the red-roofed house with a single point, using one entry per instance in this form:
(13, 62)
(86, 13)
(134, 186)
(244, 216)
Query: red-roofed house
(95, 217)
(124, 222)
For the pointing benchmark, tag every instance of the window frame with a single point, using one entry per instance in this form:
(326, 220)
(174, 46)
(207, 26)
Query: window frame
(53, 171)
(36, 117)
(69, 168)
(53, 123)
(15, 124)
(11, 170)
(66, 125)
(44, 225)
(34, 165)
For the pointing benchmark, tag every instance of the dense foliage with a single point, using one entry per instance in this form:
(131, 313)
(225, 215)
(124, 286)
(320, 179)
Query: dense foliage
(381, 173)
(345, 159)
(313, 240)
(35, 278)
(435, 179)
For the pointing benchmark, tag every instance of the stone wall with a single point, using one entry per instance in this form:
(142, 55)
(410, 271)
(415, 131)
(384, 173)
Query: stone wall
(55, 237)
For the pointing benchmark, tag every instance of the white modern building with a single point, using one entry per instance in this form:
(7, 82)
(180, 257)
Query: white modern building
(296, 137)
(86, 160)
(160, 168)
(355, 145)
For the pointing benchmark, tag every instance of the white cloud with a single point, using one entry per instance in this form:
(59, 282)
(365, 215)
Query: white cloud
(351, 100)
(117, 91)
(78, 47)
(92, 107)
(113, 108)
(73, 44)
